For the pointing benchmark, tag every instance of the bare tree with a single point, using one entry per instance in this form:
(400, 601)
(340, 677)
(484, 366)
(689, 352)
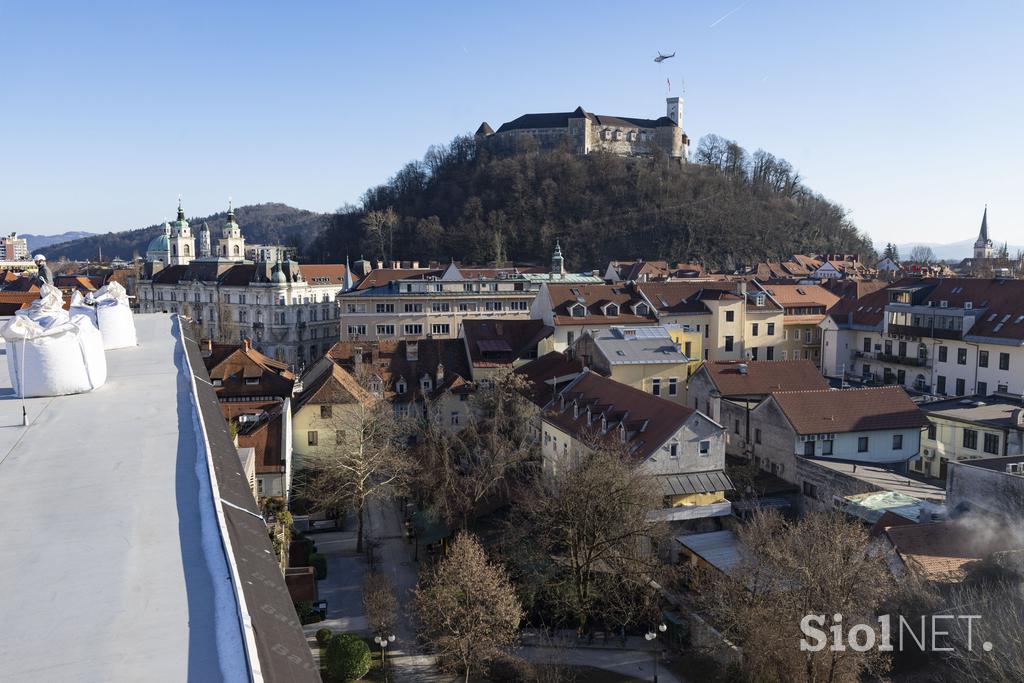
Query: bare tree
(367, 459)
(818, 565)
(379, 603)
(484, 460)
(380, 226)
(922, 254)
(585, 540)
(468, 608)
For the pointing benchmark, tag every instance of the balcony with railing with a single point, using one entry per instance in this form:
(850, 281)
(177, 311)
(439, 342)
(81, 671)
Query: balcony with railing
(896, 359)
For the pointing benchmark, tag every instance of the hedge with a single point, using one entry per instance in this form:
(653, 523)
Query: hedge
(348, 657)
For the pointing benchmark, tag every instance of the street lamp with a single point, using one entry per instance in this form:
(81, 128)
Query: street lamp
(384, 641)
(650, 636)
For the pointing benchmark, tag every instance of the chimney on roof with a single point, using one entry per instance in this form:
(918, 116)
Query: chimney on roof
(207, 347)
(440, 374)
(357, 356)
(412, 351)
(380, 264)
(415, 265)
(247, 344)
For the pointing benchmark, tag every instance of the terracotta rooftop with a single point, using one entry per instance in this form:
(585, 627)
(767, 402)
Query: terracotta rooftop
(849, 410)
(649, 421)
(245, 372)
(763, 377)
(943, 549)
(443, 361)
(329, 383)
(383, 276)
(541, 375)
(596, 298)
(802, 295)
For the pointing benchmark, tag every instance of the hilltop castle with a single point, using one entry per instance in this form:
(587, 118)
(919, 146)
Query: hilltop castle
(584, 133)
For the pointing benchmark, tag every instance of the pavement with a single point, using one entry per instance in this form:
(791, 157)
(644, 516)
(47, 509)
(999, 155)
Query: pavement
(406, 662)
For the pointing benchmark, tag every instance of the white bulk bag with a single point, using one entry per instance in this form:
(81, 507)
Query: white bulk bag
(52, 355)
(114, 317)
(80, 306)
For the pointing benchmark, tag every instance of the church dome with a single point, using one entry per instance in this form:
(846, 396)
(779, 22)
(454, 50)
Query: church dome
(159, 243)
(277, 276)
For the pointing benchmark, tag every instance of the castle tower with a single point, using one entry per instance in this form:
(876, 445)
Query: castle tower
(557, 261)
(674, 110)
(204, 241)
(983, 245)
(180, 242)
(231, 245)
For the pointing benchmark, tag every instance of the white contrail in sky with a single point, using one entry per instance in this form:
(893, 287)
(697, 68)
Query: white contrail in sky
(728, 14)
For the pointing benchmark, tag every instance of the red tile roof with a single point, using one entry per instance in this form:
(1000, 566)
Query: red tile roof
(595, 298)
(849, 410)
(541, 373)
(943, 549)
(649, 421)
(382, 276)
(232, 364)
(762, 377)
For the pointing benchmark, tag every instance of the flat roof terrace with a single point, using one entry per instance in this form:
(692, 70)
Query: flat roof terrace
(130, 551)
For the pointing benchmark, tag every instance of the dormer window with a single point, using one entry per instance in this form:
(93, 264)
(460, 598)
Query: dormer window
(426, 384)
(673, 449)
(759, 299)
(578, 311)
(642, 309)
(611, 309)
(400, 386)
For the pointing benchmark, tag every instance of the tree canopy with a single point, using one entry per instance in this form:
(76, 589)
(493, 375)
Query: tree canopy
(728, 208)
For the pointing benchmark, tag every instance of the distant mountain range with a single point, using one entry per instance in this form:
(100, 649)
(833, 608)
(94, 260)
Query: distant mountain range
(954, 251)
(270, 223)
(40, 241)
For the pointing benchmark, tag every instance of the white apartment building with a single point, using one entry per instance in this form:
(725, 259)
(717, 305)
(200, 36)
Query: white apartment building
(417, 304)
(946, 337)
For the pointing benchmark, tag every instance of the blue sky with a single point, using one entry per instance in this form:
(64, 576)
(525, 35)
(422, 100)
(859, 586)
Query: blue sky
(909, 114)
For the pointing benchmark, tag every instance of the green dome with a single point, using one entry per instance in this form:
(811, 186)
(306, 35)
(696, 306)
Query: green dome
(159, 243)
(277, 276)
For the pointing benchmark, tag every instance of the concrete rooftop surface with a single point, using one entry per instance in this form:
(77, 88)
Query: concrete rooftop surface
(117, 560)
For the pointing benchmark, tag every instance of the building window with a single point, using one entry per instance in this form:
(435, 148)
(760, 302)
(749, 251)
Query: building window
(672, 386)
(769, 353)
(970, 439)
(897, 442)
(757, 435)
(867, 344)
(736, 426)
(673, 450)
(442, 328)
(339, 437)
(810, 490)
(730, 316)
(932, 431)
(325, 412)
(705, 447)
(943, 352)
(753, 329)
(940, 385)
(753, 353)
(455, 418)
(570, 337)
(413, 330)
(656, 387)
(385, 330)
(385, 308)
(1004, 361)
(862, 444)
(992, 444)
(982, 359)
(311, 437)
(440, 307)
(771, 329)
(809, 449)
(687, 349)
(414, 308)
(357, 329)
(961, 356)
(982, 389)
(728, 343)
(826, 447)
(961, 387)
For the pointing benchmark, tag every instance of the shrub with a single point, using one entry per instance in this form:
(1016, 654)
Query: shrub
(323, 636)
(319, 563)
(348, 657)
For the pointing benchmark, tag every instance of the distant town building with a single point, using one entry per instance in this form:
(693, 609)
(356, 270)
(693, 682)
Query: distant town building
(13, 248)
(582, 133)
(643, 357)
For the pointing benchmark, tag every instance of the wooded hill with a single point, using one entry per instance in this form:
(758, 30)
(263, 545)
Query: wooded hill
(726, 209)
(269, 223)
